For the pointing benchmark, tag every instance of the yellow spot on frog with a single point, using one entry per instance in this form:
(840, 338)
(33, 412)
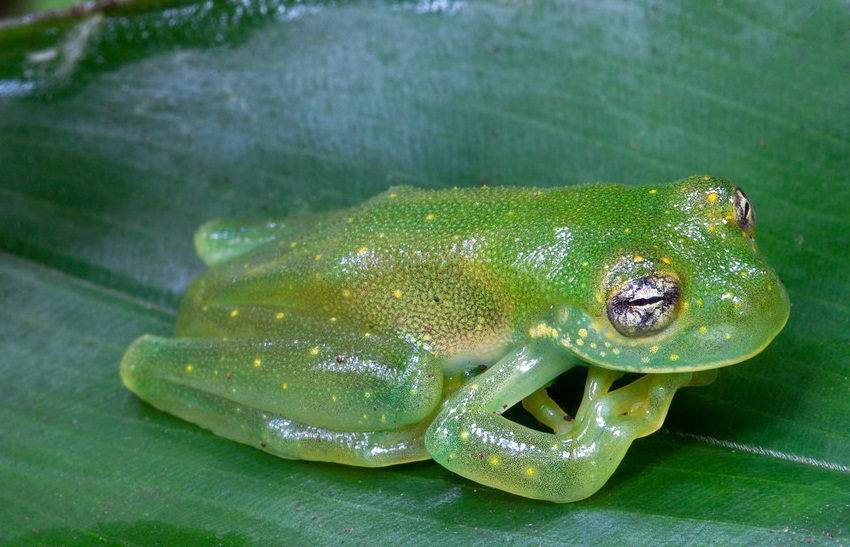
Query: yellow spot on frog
(494, 460)
(712, 197)
(383, 418)
(318, 257)
(367, 394)
(529, 471)
(627, 231)
(362, 250)
(584, 264)
(653, 191)
(609, 335)
(393, 195)
(279, 315)
(314, 351)
(464, 435)
(711, 228)
(285, 385)
(333, 319)
(644, 359)
(188, 368)
(293, 244)
(638, 258)
(333, 398)
(257, 362)
(654, 349)
(616, 351)
(699, 303)
(397, 293)
(728, 336)
(703, 330)
(665, 260)
(234, 313)
(579, 342)
(582, 333)
(542, 331)
(674, 357)
(346, 293)
(431, 216)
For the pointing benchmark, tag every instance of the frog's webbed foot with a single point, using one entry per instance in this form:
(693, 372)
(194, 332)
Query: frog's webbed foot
(471, 438)
(638, 408)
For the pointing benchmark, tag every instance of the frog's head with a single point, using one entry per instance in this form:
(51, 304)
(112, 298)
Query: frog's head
(679, 284)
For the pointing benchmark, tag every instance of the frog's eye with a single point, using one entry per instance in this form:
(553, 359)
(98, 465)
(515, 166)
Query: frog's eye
(744, 213)
(644, 305)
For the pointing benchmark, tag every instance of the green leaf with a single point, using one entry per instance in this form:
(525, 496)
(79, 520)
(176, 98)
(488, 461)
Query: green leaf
(124, 127)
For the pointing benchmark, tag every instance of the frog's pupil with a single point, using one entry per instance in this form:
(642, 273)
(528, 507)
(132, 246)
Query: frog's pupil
(744, 212)
(645, 301)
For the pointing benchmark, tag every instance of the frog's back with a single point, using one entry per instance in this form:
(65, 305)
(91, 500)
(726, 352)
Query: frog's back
(452, 270)
(431, 266)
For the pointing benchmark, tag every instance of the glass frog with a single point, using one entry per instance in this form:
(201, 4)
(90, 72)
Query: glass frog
(403, 328)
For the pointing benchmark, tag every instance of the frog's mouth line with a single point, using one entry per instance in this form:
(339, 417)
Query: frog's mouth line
(655, 360)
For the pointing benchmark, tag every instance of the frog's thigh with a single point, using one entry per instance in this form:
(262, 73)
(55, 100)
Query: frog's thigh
(345, 385)
(220, 240)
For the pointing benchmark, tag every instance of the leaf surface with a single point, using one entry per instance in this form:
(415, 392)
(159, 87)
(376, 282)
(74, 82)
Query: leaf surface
(124, 127)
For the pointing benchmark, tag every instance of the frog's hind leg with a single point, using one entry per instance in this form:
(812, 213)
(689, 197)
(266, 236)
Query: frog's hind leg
(284, 437)
(221, 240)
(295, 398)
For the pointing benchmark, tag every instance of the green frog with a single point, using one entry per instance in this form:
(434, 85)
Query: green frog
(402, 329)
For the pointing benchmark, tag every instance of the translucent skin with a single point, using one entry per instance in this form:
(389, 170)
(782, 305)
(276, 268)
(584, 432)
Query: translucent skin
(357, 336)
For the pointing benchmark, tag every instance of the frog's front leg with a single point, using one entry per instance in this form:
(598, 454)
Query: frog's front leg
(471, 438)
(296, 398)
